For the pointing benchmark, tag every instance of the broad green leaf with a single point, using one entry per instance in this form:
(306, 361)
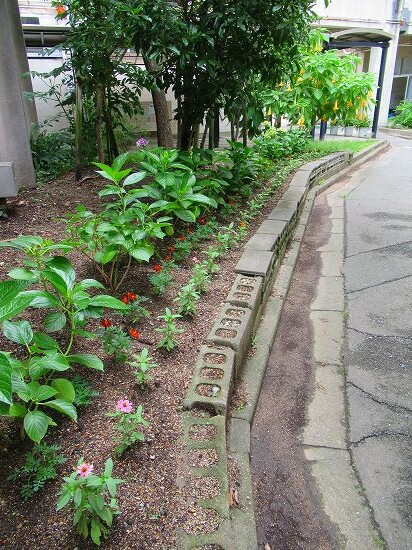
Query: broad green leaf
(134, 178)
(42, 393)
(17, 410)
(108, 468)
(54, 321)
(64, 388)
(23, 274)
(63, 407)
(41, 298)
(95, 532)
(36, 424)
(88, 283)
(63, 267)
(142, 253)
(23, 242)
(58, 282)
(44, 341)
(5, 379)
(87, 360)
(120, 161)
(197, 197)
(185, 215)
(19, 332)
(105, 300)
(51, 361)
(9, 290)
(9, 309)
(63, 500)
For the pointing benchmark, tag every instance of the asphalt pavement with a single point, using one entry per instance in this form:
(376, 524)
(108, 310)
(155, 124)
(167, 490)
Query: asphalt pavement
(331, 448)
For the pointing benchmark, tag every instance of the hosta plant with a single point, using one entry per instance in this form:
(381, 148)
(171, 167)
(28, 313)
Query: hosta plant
(92, 498)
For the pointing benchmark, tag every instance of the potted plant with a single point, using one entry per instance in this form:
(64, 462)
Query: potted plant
(349, 124)
(334, 127)
(363, 124)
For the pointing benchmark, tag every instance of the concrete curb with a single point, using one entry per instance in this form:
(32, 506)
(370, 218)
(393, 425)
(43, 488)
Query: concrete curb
(252, 310)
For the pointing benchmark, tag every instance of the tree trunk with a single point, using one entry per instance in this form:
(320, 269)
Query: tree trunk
(216, 128)
(78, 129)
(186, 136)
(196, 136)
(203, 142)
(164, 128)
(99, 114)
(244, 129)
(232, 131)
(211, 128)
(113, 149)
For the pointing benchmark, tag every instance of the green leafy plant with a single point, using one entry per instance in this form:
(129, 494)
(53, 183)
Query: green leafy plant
(182, 249)
(92, 498)
(126, 228)
(116, 343)
(169, 331)
(403, 114)
(201, 277)
(213, 253)
(187, 299)
(127, 423)
(38, 468)
(142, 364)
(136, 311)
(275, 144)
(161, 280)
(52, 153)
(33, 383)
(83, 390)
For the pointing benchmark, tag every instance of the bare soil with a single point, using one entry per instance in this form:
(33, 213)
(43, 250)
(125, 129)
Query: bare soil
(153, 505)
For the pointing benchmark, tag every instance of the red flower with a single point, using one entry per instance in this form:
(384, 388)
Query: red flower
(182, 238)
(125, 299)
(134, 333)
(243, 224)
(168, 258)
(172, 248)
(131, 296)
(61, 10)
(202, 220)
(158, 268)
(106, 323)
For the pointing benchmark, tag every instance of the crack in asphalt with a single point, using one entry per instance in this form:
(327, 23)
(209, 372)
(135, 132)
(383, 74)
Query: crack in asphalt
(377, 249)
(395, 408)
(379, 335)
(379, 434)
(379, 284)
(309, 446)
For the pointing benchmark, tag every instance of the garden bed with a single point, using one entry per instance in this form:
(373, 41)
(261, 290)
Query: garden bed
(153, 501)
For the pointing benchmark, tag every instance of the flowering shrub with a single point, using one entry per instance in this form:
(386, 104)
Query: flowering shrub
(127, 424)
(92, 497)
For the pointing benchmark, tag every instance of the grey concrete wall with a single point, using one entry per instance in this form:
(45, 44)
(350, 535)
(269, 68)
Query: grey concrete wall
(14, 135)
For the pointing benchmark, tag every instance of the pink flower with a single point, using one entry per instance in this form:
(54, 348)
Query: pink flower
(195, 260)
(84, 469)
(124, 405)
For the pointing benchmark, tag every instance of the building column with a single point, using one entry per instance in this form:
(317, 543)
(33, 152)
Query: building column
(388, 80)
(14, 135)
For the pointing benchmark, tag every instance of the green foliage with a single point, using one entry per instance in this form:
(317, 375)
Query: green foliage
(136, 311)
(84, 392)
(52, 154)
(169, 331)
(212, 254)
(187, 299)
(93, 499)
(275, 144)
(38, 468)
(245, 166)
(124, 230)
(200, 277)
(32, 383)
(403, 116)
(128, 425)
(161, 281)
(182, 249)
(116, 343)
(142, 364)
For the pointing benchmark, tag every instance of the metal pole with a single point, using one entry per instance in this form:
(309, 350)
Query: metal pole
(323, 128)
(384, 46)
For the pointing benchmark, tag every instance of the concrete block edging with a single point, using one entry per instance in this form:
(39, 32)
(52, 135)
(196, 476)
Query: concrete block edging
(262, 281)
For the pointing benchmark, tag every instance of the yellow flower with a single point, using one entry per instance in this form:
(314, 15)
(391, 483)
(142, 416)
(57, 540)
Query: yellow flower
(301, 122)
(289, 89)
(335, 107)
(302, 72)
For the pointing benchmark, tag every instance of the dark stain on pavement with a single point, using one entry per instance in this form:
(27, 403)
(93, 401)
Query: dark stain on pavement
(288, 507)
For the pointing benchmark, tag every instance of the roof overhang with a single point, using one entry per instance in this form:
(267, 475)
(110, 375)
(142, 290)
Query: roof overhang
(46, 37)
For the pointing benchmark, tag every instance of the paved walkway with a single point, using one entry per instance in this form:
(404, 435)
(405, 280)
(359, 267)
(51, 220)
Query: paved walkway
(351, 366)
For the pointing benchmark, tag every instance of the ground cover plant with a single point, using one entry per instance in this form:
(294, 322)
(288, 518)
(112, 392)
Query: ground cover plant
(135, 418)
